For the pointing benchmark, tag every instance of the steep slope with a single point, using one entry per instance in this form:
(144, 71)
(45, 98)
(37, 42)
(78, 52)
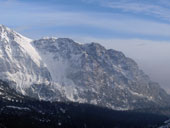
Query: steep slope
(19, 62)
(63, 70)
(92, 74)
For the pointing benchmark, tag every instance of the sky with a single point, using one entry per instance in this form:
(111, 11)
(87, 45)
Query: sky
(139, 28)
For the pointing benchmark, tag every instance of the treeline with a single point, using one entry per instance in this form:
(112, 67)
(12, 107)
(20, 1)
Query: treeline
(17, 111)
(73, 115)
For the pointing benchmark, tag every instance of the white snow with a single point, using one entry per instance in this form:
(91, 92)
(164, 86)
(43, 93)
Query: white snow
(150, 98)
(19, 53)
(19, 108)
(7, 36)
(24, 64)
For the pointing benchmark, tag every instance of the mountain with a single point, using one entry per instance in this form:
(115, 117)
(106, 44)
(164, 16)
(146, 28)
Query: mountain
(19, 62)
(59, 69)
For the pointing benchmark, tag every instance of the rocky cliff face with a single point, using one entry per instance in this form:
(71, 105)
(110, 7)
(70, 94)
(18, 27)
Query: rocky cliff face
(63, 70)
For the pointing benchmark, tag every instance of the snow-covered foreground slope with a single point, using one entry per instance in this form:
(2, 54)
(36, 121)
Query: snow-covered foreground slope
(63, 70)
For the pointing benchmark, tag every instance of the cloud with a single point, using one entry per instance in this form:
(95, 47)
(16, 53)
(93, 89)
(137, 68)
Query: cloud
(98, 21)
(28, 16)
(159, 8)
(147, 9)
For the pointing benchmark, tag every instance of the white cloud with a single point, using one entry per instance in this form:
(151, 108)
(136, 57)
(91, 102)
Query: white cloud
(31, 15)
(148, 9)
(113, 23)
(159, 8)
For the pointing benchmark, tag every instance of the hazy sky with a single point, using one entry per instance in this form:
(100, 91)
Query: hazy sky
(139, 28)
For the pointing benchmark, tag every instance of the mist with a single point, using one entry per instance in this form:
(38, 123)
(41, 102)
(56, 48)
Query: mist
(151, 56)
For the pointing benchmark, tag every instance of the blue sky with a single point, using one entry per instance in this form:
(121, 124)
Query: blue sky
(144, 19)
(139, 28)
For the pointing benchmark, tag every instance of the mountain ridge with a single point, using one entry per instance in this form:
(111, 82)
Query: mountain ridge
(59, 69)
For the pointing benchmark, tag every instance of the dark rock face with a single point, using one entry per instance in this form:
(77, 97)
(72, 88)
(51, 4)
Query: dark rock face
(104, 77)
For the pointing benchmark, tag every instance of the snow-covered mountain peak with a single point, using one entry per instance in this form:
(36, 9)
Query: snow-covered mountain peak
(8, 35)
(48, 38)
(19, 61)
(3, 28)
(62, 69)
(9, 40)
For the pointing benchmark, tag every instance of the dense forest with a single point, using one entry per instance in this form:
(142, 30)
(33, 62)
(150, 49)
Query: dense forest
(73, 115)
(18, 111)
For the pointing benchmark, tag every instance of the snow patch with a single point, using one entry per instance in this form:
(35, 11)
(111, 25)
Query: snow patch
(19, 108)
